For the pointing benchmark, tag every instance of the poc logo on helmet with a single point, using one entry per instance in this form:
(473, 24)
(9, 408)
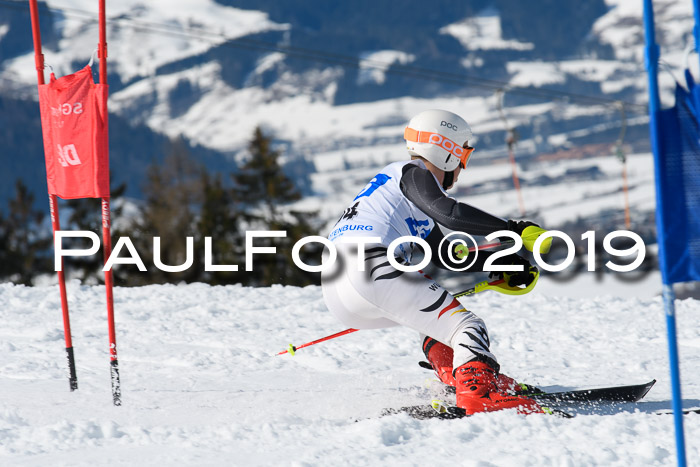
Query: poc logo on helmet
(446, 144)
(448, 125)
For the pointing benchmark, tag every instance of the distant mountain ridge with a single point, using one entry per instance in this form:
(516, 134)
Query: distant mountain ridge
(323, 76)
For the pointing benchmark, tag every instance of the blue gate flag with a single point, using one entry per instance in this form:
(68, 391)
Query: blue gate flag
(678, 179)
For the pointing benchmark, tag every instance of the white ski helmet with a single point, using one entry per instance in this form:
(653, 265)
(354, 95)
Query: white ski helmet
(440, 137)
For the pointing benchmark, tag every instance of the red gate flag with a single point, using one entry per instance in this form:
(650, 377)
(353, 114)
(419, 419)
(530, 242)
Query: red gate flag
(74, 125)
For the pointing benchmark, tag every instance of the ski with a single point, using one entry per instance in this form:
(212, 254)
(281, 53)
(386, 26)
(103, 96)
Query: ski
(685, 412)
(555, 401)
(629, 393)
(446, 412)
(443, 411)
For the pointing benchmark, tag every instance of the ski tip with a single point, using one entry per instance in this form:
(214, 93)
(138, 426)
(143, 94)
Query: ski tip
(648, 387)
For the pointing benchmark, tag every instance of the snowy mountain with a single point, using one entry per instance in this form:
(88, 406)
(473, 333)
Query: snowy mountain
(201, 384)
(331, 80)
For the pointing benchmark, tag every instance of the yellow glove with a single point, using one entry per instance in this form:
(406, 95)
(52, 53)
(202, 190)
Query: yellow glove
(529, 232)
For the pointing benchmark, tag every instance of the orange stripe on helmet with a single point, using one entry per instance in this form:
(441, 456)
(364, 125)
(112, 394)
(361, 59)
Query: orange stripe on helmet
(437, 139)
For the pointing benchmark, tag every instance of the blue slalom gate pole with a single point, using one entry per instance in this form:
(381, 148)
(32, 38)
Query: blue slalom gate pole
(673, 360)
(696, 28)
(651, 56)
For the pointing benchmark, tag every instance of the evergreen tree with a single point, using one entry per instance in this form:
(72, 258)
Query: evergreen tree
(24, 242)
(173, 193)
(266, 192)
(261, 180)
(219, 220)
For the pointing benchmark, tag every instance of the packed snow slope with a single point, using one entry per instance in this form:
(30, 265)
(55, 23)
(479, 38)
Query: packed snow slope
(201, 384)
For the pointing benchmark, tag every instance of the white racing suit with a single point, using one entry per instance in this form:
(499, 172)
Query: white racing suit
(405, 199)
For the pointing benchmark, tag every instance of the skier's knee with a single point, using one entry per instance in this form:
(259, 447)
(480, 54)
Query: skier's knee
(471, 321)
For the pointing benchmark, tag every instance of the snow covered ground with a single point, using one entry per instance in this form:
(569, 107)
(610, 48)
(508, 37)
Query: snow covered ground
(201, 385)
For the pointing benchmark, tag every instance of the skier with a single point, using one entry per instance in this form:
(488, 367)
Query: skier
(409, 198)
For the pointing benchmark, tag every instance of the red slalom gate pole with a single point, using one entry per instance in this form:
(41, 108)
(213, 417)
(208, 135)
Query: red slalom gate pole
(106, 228)
(53, 208)
(109, 284)
(293, 349)
(516, 180)
(36, 36)
(102, 45)
(72, 375)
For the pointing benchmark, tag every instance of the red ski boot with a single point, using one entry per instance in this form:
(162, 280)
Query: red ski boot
(509, 385)
(440, 357)
(478, 391)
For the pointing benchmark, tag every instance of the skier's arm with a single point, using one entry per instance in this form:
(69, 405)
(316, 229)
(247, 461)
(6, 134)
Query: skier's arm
(420, 187)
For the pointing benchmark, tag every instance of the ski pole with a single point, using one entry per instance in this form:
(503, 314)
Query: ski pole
(499, 285)
(492, 246)
(291, 349)
(481, 286)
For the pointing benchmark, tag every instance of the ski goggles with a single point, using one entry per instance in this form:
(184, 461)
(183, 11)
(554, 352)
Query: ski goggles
(460, 152)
